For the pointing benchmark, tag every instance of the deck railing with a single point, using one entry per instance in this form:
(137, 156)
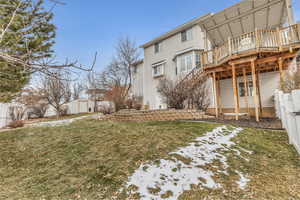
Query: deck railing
(272, 39)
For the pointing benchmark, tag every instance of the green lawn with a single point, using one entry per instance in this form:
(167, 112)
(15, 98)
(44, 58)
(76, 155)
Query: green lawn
(91, 159)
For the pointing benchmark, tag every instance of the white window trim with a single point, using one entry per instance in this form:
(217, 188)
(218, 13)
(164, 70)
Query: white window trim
(193, 54)
(250, 91)
(163, 64)
(159, 47)
(187, 31)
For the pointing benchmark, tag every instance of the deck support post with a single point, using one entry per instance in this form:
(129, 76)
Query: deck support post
(219, 94)
(246, 90)
(253, 70)
(280, 65)
(258, 92)
(235, 92)
(215, 95)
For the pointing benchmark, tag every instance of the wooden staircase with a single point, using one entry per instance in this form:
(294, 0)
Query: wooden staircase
(193, 77)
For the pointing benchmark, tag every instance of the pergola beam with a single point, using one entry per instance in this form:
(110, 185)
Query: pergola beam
(290, 13)
(252, 11)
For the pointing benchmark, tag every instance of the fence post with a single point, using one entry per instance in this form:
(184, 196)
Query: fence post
(282, 109)
(291, 120)
(296, 103)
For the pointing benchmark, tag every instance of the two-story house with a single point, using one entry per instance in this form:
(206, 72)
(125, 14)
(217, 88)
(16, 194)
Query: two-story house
(244, 49)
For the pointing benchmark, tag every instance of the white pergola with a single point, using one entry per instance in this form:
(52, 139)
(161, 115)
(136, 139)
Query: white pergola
(247, 16)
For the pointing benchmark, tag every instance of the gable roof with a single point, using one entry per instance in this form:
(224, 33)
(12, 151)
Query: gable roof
(176, 30)
(243, 17)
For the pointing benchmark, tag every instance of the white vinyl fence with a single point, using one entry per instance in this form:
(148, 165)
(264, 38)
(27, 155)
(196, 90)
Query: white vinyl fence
(288, 110)
(5, 114)
(74, 107)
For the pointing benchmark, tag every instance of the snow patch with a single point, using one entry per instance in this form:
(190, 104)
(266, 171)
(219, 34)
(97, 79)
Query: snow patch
(242, 183)
(177, 175)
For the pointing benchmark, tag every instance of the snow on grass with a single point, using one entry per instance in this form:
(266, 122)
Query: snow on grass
(242, 183)
(168, 179)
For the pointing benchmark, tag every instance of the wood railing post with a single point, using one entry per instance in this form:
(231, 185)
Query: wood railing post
(229, 46)
(215, 55)
(257, 40)
(201, 60)
(279, 42)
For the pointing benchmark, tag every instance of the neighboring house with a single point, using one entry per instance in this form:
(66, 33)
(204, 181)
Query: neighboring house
(137, 79)
(244, 50)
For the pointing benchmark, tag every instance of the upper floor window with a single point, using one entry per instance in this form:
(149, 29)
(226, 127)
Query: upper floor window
(158, 69)
(186, 62)
(157, 47)
(186, 35)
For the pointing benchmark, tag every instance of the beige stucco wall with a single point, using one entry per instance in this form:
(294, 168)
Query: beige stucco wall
(170, 47)
(269, 82)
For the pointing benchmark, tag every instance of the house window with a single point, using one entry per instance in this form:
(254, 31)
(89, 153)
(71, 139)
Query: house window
(158, 70)
(198, 59)
(242, 91)
(157, 47)
(134, 69)
(186, 35)
(185, 63)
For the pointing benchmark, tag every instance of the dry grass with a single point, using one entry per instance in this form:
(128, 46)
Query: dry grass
(91, 160)
(55, 118)
(274, 170)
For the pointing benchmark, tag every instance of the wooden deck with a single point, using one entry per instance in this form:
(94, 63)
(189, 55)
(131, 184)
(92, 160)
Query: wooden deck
(249, 54)
(263, 42)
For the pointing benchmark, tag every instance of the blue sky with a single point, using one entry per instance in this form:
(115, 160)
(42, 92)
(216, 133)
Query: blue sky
(84, 27)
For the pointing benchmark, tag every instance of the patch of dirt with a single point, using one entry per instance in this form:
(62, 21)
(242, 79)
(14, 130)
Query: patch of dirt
(265, 123)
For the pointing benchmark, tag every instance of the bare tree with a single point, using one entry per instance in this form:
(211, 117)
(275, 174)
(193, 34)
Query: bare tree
(77, 89)
(118, 74)
(57, 91)
(198, 96)
(26, 38)
(34, 101)
(178, 95)
(174, 94)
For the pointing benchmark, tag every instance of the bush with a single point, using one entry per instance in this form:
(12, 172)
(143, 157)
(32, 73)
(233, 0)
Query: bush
(106, 110)
(16, 124)
(291, 78)
(174, 94)
(134, 102)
